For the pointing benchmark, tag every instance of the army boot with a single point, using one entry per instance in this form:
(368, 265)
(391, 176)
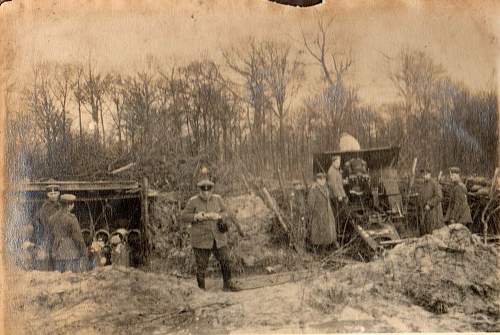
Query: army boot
(201, 281)
(229, 286)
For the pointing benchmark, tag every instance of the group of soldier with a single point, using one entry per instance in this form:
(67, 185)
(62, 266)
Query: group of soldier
(431, 198)
(327, 196)
(57, 242)
(61, 247)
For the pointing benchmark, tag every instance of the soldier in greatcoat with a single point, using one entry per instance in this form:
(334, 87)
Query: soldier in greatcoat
(208, 217)
(321, 230)
(43, 231)
(458, 209)
(68, 246)
(431, 197)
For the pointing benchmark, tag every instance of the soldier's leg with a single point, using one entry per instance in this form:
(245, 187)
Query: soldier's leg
(222, 255)
(60, 265)
(201, 256)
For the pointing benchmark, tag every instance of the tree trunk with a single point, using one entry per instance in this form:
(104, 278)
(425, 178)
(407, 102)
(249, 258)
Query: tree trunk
(80, 120)
(102, 124)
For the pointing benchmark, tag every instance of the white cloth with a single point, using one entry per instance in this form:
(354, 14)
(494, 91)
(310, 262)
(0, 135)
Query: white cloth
(349, 143)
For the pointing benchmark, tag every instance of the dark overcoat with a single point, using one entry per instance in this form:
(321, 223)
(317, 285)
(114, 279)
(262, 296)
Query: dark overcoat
(320, 219)
(68, 243)
(458, 209)
(431, 195)
(43, 230)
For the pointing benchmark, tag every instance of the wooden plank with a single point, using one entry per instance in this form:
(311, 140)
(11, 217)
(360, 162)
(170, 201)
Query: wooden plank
(391, 242)
(68, 186)
(364, 235)
(274, 208)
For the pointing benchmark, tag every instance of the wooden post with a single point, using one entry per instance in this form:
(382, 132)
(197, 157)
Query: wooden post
(145, 218)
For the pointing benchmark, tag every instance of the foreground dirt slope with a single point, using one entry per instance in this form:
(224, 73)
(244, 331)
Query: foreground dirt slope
(400, 292)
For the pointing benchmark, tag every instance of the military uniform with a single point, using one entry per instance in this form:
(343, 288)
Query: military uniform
(335, 183)
(321, 229)
(206, 238)
(205, 233)
(43, 235)
(431, 195)
(68, 247)
(458, 209)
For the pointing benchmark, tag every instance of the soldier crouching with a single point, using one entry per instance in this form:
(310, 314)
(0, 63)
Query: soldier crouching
(207, 214)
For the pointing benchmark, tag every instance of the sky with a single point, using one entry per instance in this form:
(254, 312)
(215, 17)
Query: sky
(460, 35)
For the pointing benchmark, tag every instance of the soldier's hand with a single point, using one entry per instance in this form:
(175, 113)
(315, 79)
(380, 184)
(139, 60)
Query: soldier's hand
(427, 207)
(200, 216)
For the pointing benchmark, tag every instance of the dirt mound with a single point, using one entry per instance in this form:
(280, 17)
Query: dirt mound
(256, 250)
(107, 300)
(251, 254)
(448, 271)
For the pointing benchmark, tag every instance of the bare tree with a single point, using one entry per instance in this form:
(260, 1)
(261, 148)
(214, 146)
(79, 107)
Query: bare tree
(338, 99)
(115, 92)
(247, 63)
(283, 75)
(79, 95)
(41, 104)
(417, 79)
(94, 90)
(140, 106)
(62, 92)
(333, 65)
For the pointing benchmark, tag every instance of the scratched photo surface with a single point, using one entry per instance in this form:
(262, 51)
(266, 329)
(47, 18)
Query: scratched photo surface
(224, 167)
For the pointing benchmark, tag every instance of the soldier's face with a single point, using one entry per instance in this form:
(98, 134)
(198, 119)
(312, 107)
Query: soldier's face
(321, 181)
(205, 192)
(70, 207)
(427, 176)
(53, 196)
(454, 177)
(336, 163)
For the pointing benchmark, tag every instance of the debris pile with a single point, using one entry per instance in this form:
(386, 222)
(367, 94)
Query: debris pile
(450, 271)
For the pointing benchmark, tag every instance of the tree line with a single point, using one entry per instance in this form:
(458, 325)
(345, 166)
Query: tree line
(251, 109)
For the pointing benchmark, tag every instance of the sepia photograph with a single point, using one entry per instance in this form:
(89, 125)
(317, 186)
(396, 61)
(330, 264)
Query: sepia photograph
(249, 167)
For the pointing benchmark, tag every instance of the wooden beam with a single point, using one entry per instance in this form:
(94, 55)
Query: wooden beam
(145, 219)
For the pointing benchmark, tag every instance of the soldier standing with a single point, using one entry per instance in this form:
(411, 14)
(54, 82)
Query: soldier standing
(68, 247)
(321, 231)
(207, 214)
(458, 209)
(431, 197)
(335, 182)
(43, 230)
